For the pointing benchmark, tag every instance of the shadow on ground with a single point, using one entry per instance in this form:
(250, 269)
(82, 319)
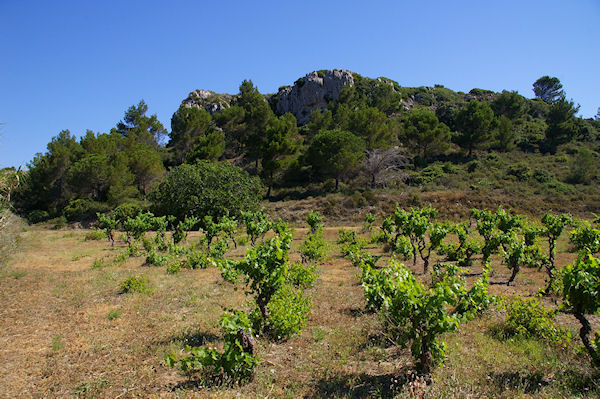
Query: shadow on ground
(191, 338)
(363, 385)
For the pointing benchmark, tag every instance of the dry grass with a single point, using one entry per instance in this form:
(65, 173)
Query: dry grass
(67, 331)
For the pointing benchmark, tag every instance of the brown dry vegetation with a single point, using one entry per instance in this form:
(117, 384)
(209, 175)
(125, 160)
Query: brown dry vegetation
(451, 204)
(68, 332)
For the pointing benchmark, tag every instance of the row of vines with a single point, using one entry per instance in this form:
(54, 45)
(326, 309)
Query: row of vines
(416, 314)
(416, 310)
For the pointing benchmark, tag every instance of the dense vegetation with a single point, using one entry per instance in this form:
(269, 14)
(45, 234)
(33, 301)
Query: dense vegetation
(377, 134)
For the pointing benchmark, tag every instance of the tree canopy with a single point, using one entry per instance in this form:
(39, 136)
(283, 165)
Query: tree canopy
(549, 89)
(207, 189)
(474, 121)
(335, 153)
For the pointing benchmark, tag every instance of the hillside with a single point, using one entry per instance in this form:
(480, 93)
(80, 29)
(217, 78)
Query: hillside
(335, 133)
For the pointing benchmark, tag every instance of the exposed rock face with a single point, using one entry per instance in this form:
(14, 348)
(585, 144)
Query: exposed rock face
(208, 100)
(312, 92)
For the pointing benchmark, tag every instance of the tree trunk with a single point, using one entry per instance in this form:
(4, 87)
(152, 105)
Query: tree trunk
(426, 359)
(550, 271)
(584, 333)
(337, 181)
(269, 192)
(515, 270)
(262, 306)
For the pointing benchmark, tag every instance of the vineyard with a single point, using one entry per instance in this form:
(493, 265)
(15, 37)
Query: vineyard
(407, 304)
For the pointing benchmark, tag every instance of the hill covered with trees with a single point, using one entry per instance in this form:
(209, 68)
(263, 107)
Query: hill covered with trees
(333, 131)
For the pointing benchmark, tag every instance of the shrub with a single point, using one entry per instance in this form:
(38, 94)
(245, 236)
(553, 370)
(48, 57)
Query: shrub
(206, 188)
(198, 260)
(155, 259)
(581, 288)
(556, 187)
(138, 283)
(542, 175)
(416, 315)
(58, 222)
(80, 209)
(583, 168)
(314, 247)
(126, 211)
(37, 216)
(257, 224)
(520, 170)
(528, 317)
(288, 312)
(174, 267)
(94, 235)
(473, 166)
(314, 220)
(235, 364)
(302, 276)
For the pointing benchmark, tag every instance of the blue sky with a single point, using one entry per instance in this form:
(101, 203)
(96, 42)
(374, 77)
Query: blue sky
(79, 65)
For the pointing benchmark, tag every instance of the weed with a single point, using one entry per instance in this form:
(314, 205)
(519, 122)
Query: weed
(94, 235)
(91, 389)
(99, 264)
(174, 267)
(114, 314)
(530, 318)
(138, 283)
(57, 343)
(17, 274)
(318, 334)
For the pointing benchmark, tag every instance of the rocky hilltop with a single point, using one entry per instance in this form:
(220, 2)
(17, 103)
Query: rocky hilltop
(313, 91)
(208, 100)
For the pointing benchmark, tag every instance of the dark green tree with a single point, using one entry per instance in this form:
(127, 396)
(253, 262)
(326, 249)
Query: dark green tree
(146, 165)
(562, 127)
(549, 89)
(231, 122)
(46, 186)
(281, 140)
(188, 124)
(320, 120)
(142, 128)
(474, 122)
(504, 134)
(90, 177)
(210, 146)
(257, 113)
(510, 104)
(372, 125)
(335, 153)
(425, 132)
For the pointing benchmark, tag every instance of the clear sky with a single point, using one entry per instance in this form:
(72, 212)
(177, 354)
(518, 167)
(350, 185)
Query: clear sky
(80, 64)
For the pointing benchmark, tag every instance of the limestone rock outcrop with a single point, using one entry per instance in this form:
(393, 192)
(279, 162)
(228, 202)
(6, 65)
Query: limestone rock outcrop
(313, 91)
(208, 100)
